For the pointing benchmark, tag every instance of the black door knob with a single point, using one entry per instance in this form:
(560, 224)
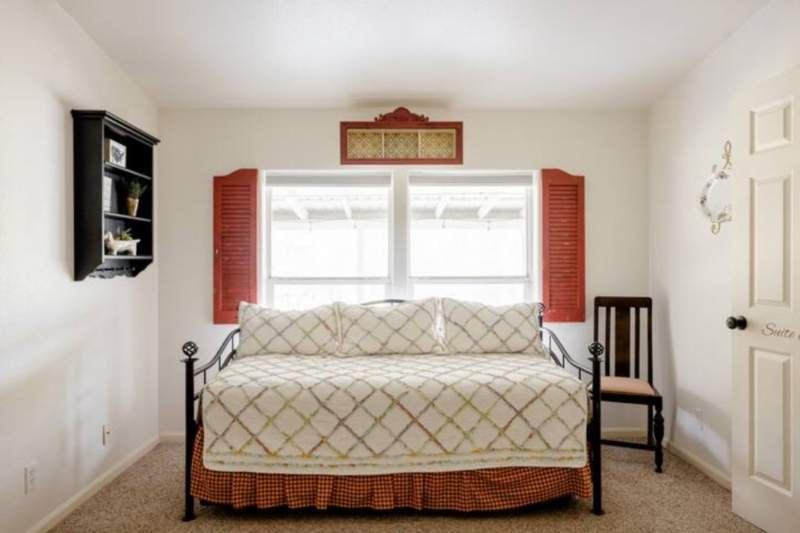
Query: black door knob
(736, 322)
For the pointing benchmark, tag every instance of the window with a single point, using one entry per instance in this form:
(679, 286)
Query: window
(328, 239)
(330, 236)
(315, 237)
(471, 237)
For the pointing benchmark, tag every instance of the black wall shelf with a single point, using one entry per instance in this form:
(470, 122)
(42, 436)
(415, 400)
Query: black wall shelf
(91, 131)
(122, 216)
(126, 172)
(127, 257)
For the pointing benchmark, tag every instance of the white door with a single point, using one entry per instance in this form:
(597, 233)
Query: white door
(766, 354)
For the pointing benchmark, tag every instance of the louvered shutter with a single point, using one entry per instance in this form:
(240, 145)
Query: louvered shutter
(563, 271)
(235, 243)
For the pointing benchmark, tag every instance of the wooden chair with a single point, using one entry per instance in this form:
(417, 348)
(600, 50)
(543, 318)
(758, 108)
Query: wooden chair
(622, 381)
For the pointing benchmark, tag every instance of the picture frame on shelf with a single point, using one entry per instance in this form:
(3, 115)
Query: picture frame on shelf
(116, 153)
(107, 191)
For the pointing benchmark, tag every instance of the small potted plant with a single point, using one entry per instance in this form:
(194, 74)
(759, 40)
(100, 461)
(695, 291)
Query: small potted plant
(135, 191)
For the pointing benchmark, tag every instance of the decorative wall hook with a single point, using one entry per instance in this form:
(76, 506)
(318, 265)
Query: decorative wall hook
(726, 155)
(715, 196)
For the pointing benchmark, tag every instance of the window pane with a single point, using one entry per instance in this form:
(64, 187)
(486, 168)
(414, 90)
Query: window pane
(329, 232)
(293, 296)
(492, 294)
(468, 231)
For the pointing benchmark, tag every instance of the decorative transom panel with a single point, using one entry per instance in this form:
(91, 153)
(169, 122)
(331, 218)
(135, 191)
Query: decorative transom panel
(392, 413)
(364, 144)
(401, 144)
(269, 331)
(408, 328)
(437, 144)
(472, 327)
(401, 137)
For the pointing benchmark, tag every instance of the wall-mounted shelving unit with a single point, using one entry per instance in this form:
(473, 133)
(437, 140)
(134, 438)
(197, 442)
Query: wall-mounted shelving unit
(91, 131)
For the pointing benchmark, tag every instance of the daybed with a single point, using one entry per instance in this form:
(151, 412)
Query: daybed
(436, 404)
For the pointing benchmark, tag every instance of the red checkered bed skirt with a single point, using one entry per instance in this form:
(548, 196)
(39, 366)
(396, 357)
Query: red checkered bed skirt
(489, 489)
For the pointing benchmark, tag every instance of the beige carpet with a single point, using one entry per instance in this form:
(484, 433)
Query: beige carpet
(148, 497)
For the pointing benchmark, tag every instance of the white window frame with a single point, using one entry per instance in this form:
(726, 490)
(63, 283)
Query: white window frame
(530, 179)
(399, 283)
(318, 178)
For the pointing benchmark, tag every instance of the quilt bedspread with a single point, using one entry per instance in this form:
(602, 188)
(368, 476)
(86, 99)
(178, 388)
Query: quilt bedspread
(379, 414)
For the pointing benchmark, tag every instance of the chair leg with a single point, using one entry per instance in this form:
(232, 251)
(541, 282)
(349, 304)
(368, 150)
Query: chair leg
(650, 425)
(658, 431)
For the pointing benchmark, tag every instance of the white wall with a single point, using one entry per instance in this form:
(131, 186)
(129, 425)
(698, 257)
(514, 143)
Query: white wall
(608, 148)
(75, 355)
(690, 268)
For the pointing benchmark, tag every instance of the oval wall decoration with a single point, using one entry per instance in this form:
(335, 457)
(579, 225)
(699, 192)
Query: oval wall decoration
(401, 137)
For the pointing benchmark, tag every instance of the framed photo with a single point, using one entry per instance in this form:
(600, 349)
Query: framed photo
(116, 153)
(107, 193)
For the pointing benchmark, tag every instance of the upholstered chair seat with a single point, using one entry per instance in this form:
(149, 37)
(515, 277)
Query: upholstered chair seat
(630, 386)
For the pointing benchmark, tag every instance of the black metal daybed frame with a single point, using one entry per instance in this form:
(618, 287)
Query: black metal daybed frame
(227, 350)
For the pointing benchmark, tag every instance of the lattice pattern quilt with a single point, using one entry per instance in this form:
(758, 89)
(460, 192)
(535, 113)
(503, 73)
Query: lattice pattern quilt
(380, 414)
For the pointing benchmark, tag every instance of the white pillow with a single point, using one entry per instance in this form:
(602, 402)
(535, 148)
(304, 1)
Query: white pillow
(406, 328)
(472, 327)
(270, 331)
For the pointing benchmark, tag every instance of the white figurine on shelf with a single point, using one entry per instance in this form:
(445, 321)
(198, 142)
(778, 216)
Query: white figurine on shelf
(123, 244)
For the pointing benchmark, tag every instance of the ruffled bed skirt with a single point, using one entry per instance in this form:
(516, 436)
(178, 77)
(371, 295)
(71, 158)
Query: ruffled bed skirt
(489, 489)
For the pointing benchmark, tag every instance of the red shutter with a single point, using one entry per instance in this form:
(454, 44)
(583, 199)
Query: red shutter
(235, 243)
(563, 269)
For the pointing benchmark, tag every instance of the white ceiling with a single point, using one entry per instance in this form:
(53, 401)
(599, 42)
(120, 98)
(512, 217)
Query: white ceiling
(450, 53)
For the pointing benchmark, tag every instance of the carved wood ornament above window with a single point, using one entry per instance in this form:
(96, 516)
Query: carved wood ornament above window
(401, 137)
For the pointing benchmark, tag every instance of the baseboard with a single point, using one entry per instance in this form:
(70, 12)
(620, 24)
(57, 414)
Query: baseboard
(715, 473)
(59, 513)
(719, 476)
(173, 437)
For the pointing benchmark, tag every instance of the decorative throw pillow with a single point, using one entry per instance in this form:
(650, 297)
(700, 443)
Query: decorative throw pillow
(407, 328)
(270, 331)
(472, 327)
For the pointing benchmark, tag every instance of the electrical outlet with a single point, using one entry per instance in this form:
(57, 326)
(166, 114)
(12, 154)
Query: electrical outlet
(30, 478)
(106, 434)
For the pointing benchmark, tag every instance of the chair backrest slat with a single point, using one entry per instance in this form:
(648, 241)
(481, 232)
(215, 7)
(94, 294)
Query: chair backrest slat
(608, 340)
(636, 341)
(622, 341)
(650, 344)
(619, 309)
